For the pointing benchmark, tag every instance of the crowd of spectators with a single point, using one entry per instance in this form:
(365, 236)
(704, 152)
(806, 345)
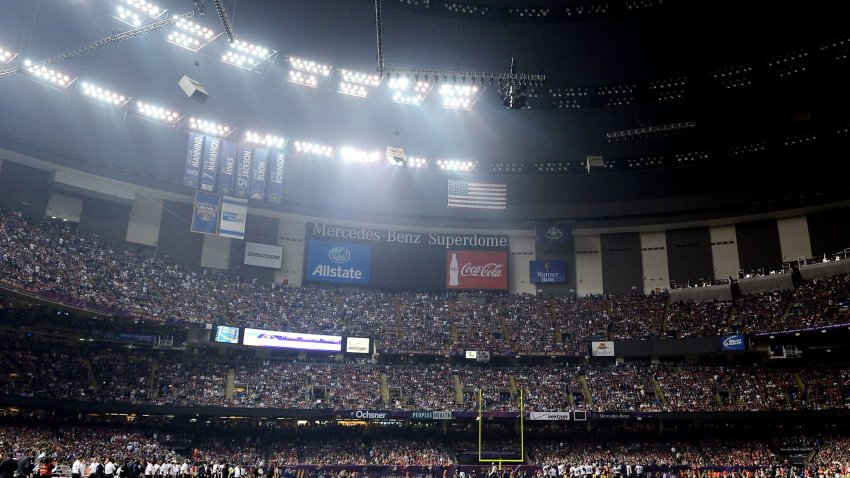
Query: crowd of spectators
(424, 387)
(52, 260)
(625, 389)
(407, 453)
(835, 450)
(550, 389)
(764, 389)
(608, 452)
(690, 387)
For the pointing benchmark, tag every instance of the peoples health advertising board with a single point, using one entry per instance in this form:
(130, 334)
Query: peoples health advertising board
(291, 340)
(548, 272)
(338, 262)
(476, 270)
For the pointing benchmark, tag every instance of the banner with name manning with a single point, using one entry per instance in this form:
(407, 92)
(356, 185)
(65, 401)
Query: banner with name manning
(193, 160)
(276, 163)
(209, 167)
(258, 174)
(244, 158)
(205, 215)
(227, 171)
(234, 212)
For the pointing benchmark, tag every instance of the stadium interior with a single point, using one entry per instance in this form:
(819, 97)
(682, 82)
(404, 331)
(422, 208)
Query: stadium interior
(412, 238)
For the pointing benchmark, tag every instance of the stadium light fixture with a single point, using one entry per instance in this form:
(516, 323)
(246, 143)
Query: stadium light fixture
(352, 155)
(407, 91)
(103, 95)
(359, 78)
(247, 55)
(414, 162)
(305, 79)
(454, 165)
(209, 127)
(267, 140)
(158, 113)
(352, 89)
(135, 12)
(313, 148)
(309, 66)
(7, 56)
(459, 96)
(191, 36)
(49, 75)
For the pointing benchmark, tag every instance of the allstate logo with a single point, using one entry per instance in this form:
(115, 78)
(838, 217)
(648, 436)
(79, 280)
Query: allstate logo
(553, 233)
(339, 254)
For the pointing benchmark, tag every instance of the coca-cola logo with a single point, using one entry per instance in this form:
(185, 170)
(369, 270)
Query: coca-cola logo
(491, 269)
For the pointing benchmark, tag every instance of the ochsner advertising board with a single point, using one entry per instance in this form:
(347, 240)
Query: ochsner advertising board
(338, 262)
(476, 270)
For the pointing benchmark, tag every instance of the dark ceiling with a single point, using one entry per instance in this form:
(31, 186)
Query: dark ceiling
(630, 46)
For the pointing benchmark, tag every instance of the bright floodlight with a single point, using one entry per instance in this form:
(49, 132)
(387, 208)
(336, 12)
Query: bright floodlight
(157, 113)
(6, 56)
(247, 55)
(303, 78)
(417, 163)
(353, 90)
(356, 156)
(359, 78)
(407, 91)
(146, 8)
(190, 35)
(265, 140)
(103, 95)
(458, 96)
(209, 127)
(455, 165)
(48, 75)
(313, 148)
(309, 66)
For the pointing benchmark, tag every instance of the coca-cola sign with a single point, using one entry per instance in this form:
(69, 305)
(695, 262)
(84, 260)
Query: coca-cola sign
(476, 270)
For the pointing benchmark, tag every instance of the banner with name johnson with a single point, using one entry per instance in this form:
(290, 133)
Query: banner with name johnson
(476, 270)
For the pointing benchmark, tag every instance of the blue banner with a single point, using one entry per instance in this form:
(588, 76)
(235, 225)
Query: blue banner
(730, 343)
(548, 272)
(227, 172)
(243, 171)
(234, 215)
(338, 262)
(275, 192)
(209, 167)
(258, 174)
(205, 216)
(193, 160)
(551, 233)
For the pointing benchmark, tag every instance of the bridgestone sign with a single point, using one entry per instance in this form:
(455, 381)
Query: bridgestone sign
(263, 255)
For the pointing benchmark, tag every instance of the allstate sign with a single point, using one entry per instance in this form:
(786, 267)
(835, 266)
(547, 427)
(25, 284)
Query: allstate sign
(338, 262)
(733, 342)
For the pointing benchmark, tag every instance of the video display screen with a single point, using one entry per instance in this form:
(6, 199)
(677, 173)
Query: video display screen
(226, 335)
(292, 340)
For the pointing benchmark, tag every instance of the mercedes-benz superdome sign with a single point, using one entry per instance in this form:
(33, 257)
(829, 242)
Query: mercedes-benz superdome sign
(400, 259)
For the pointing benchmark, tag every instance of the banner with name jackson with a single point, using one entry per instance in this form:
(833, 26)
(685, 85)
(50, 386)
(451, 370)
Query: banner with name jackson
(234, 213)
(205, 215)
(194, 154)
(276, 163)
(258, 174)
(263, 255)
(209, 167)
(227, 172)
(244, 158)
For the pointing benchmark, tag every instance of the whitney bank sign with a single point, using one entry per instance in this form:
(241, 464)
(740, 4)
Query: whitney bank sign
(435, 239)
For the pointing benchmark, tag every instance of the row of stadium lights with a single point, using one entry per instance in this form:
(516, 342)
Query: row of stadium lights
(150, 111)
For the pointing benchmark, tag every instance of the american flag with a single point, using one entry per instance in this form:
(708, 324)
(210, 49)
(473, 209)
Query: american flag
(463, 193)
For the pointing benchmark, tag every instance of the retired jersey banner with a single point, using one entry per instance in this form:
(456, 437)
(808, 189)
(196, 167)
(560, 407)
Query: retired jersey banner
(258, 174)
(275, 192)
(205, 215)
(227, 171)
(602, 349)
(209, 167)
(234, 212)
(476, 270)
(194, 154)
(243, 171)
